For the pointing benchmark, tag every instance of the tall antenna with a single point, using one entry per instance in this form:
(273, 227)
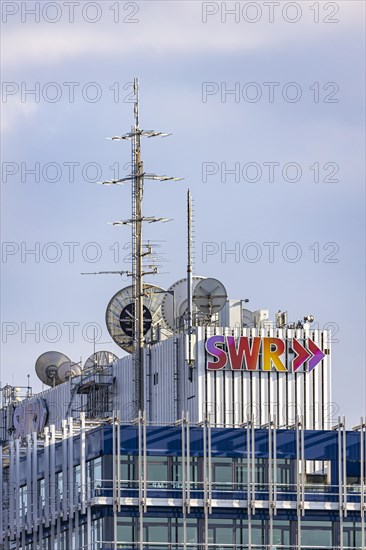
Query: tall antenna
(137, 177)
(189, 275)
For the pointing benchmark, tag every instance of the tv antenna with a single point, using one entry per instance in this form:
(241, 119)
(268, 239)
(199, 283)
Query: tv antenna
(137, 178)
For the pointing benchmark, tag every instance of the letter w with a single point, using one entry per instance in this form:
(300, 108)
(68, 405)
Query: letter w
(243, 351)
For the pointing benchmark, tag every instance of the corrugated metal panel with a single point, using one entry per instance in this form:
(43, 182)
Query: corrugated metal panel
(123, 391)
(227, 397)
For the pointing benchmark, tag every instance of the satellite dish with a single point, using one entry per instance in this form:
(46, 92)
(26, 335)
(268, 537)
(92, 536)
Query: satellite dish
(175, 302)
(47, 366)
(120, 315)
(247, 318)
(100, 359)
(68, 370)
(210, 296)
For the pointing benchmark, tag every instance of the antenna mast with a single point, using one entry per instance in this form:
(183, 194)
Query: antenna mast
(137, 177)
(189, 275)
(137, 274)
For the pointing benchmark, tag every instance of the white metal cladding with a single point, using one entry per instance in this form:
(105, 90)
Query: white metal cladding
(123, 388)
(230, 398)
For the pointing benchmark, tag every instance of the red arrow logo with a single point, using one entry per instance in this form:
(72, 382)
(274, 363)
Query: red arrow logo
(302, 355)
(317, 353)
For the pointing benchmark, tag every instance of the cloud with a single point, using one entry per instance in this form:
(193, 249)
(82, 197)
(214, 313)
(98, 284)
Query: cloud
(15, 113)
(169, 28)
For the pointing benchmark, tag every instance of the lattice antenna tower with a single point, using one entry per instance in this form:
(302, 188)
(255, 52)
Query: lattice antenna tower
(137, 178)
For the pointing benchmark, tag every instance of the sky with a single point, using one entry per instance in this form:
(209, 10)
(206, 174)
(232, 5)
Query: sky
(265, 101)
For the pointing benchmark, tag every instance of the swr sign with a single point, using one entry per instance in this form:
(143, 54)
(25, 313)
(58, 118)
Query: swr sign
(243, 353)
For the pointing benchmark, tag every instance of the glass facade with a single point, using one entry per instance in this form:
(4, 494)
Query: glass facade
(210, 498)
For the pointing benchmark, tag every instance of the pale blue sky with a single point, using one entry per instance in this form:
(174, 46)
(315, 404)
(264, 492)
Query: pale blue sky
(173, 53)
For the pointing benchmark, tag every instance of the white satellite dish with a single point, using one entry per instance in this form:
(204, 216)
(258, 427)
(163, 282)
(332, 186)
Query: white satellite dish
(120, 315)
(175, 302)
(247, 318)
(210, 296)
(68, 370)
(47, 366)
(100, 360)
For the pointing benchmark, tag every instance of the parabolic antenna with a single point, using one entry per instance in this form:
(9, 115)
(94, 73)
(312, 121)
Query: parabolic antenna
(210, 296)
(100, 360)
(68, 370)
(175, 302)
(247, 318)
(120, 315)
(47, 366)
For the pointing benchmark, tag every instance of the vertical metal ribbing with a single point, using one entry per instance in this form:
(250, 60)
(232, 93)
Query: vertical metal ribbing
(141, 520)
(205, 493)
(275, 465)
(344, 451)
(56, 530)
(340, 483)
(253, 466)
(303, 463)
(114, 490)
(298, 491)
(70, 534)
(188, 467)
(29, 482)
(40, 535)
(144, 448)
(64, 467)
(209, 465)
(249, 484)
(52, 473)
(89, 527)
(114, 461)
(362, 458)
(183, 466)
(11, 488)
(17, 487)
(118, 462)
(47, 475)
(71, 492)
(2, 526)
(34, 482)
(83, 463)
(270, 486)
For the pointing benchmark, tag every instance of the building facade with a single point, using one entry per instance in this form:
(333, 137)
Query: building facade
(229, 453)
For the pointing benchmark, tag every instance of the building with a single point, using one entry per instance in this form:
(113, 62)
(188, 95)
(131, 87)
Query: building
(216, 432)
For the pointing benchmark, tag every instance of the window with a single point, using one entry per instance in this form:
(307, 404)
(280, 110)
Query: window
(125, 529)
(59, 487)
(191, 530)
(157, 468)
(156, 530)
(41, 494)
(220, 531)
(97, 533)
(77, 482)
(222, 473)
(23, 501)
(352, 534)
(317, 533)
(128, 470)
(94, 476)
